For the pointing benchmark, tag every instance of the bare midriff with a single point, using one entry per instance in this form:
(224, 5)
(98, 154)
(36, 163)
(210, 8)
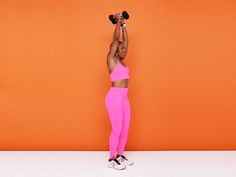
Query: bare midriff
(120, 83)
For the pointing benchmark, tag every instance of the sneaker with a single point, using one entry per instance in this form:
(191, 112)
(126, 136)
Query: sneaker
(123, 160)
(115, 164)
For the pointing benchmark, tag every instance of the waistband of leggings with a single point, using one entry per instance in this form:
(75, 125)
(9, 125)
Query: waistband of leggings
(123, 90)
(118, 88)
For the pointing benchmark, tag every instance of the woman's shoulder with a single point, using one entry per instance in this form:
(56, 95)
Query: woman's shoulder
(111, 63)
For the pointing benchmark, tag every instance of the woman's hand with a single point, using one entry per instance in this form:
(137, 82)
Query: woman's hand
(122, 21)
(117, 16)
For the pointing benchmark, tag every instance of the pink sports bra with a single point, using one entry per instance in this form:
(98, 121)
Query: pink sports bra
(119, 72)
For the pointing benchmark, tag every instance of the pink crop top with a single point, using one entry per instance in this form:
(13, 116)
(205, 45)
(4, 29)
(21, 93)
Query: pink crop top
(119, 72)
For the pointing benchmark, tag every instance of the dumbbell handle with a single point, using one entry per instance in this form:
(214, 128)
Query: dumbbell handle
(121, 14)
(118, 16)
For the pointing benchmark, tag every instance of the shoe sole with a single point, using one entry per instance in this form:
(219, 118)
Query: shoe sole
(128, 164)
(116, 168)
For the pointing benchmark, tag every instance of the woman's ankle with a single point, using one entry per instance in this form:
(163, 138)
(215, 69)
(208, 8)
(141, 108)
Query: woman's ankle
(119, 155)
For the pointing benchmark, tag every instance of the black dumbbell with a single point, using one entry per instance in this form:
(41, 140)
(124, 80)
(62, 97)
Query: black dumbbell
(125, 15)
(114, 20)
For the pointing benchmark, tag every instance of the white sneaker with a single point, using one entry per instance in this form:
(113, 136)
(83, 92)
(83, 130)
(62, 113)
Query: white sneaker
(115, 164)
(123, 160)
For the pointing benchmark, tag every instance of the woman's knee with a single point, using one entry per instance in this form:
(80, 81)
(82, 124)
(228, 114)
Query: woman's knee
(116, 130)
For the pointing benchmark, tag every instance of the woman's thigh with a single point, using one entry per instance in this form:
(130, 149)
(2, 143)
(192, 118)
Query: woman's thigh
(114, 107)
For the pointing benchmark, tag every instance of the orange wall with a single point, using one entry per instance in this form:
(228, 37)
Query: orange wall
(53, 74)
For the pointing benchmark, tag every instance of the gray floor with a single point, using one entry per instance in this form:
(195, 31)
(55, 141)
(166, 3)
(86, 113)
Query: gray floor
(94, 164)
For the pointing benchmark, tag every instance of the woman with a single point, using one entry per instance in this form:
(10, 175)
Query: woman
(116, 100)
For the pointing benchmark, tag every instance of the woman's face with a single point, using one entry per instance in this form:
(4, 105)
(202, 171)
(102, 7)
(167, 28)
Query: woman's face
(121, 50)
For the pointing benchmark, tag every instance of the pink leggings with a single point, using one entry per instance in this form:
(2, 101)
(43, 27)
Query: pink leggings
(118, 107)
